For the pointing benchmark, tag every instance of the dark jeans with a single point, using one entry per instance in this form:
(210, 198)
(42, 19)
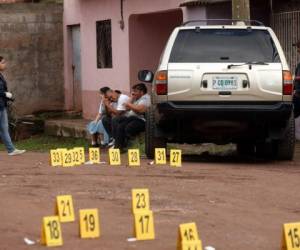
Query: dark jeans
(106, 121)
(124, 128)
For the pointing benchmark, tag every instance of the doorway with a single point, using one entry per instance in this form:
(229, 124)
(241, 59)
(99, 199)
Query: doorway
(76, 68)
(148, 34)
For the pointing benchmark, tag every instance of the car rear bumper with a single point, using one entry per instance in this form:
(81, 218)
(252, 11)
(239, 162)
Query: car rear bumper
(224, 122)
(276, 110)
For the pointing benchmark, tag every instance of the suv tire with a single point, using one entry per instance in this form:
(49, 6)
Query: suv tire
(152, 142)
(286, 146)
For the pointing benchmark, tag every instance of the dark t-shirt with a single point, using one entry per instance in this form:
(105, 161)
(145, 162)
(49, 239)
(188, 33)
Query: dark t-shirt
(3, 89)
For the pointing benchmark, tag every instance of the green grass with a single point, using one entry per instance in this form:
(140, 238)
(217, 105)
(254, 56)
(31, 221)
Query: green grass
(43, 143)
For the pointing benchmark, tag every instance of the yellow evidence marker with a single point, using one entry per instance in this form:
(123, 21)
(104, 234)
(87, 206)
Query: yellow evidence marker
(81, 154)
(160, 156)
(134, 157)
(114, 156)
(67, 158)
(140, 200)
(65, 208)
(144, 225)
(193, 245)
(175, 158)
(55, 157)
(76, 157)
(94, 155)
(291, 236)
(188, 237)
(51, 232)
(89, 223)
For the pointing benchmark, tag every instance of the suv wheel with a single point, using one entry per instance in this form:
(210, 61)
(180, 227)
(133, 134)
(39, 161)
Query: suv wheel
(152, 142)
(286, 146)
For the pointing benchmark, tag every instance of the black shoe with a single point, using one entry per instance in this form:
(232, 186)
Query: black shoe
(95, 145)
(104, 145)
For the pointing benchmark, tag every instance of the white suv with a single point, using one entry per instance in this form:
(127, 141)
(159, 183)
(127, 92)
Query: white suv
(222, 83)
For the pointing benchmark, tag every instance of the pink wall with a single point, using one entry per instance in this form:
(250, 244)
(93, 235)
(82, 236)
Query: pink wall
(148, 34)
(86, 13)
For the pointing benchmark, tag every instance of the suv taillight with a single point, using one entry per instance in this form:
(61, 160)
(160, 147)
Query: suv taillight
(161, 82)
(287, 83)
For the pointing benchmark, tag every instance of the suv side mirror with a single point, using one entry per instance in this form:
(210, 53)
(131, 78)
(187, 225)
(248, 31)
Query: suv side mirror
(145, 75)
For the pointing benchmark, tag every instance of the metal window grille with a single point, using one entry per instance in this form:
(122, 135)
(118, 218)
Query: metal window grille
(104, 48)
(287, 28)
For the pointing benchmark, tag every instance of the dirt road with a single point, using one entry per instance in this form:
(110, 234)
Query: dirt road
(236, 204)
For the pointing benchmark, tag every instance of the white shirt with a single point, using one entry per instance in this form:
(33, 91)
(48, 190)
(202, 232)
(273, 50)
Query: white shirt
(121, 101)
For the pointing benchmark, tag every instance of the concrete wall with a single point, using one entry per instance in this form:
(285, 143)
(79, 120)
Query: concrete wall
(32, 43)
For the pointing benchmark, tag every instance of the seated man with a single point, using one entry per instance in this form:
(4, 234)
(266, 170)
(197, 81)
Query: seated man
(133, 122)
(117, 110)
(96, 127)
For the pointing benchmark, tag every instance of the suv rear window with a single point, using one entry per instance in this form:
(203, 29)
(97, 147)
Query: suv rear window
(224, 45)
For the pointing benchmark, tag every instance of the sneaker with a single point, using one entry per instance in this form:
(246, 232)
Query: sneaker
(111, 142)
(96, 145)
(16, 152)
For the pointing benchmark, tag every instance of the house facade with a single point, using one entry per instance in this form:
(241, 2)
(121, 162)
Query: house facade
(106, 42)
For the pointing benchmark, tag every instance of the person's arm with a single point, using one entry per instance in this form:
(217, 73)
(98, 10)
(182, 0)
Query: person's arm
(109, 108)
(2, 92)
(120, 109)
(98, 117)
(140, 108)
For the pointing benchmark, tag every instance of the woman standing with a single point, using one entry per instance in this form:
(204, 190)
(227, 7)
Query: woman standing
(5, 96)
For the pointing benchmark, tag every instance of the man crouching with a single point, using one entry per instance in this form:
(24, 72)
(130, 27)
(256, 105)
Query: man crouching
(134, 121)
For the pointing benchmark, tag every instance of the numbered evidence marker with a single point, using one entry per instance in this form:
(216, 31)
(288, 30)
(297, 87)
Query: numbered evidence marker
(144, 225)
(64, 208)
(134, 157)
(193, 245)
(188, 238)
(291, 236)
(160, 156)
(55, 157)
(67, 158)
(175, 158)
(94, 155)
(81, 154)
(140, 200)
(114, 157)
(76, 157)
(89, 223)
(51, 232)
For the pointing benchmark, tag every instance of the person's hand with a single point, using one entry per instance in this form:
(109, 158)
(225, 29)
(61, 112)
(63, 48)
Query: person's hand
(106, 101)
(8, 95)
(127, 105)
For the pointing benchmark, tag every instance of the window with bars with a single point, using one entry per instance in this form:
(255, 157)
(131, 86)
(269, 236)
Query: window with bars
(104, 48)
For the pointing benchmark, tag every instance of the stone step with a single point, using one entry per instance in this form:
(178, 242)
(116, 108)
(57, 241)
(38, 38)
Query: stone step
(67, 128)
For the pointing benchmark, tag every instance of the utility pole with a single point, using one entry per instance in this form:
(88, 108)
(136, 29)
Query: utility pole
(241, 9)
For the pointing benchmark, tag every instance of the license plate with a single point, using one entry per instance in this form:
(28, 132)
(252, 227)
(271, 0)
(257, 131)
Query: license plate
(224, 83)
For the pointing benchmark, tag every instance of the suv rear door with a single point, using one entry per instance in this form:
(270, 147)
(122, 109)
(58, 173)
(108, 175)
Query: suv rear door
(224, 64)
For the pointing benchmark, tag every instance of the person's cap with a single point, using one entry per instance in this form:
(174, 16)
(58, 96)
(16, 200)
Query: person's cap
(297, 44)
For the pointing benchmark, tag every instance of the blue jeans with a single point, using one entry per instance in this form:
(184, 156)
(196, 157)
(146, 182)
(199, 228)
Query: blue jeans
(4, 133)
(98, 127)
(101, 130)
